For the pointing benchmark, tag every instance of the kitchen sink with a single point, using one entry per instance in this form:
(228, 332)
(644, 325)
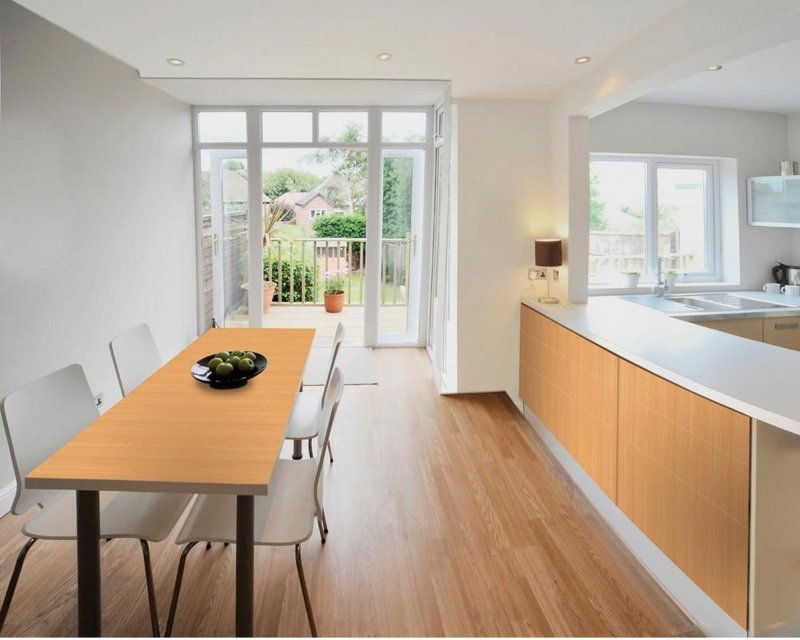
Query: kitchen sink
(703, 303)
(724, 302)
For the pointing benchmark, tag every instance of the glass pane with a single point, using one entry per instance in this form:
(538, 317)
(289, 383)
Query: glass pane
(617, 192)
(682, 219)
(286, 126)
(396, 247)
(314, 205)
(223, 192)
(222, 126)
(403, 126)
(341, 126)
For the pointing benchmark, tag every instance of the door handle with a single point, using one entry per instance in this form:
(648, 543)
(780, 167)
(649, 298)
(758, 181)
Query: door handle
(216, 244)
(786, 325)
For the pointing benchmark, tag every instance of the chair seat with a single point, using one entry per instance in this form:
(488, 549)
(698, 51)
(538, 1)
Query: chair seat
(145, 516)
(283, 517)
(304, 421)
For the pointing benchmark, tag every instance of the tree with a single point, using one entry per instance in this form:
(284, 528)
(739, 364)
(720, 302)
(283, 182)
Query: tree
(597, 208)
(353, 226)
(349, 190)
(397, 197)
(286, 179)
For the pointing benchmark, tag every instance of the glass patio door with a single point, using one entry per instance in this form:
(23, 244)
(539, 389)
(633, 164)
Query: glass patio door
(226, 173)
(402, 207)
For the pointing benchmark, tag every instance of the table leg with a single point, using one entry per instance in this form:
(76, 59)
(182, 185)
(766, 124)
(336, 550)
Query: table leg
(297, 451)
(244, 566)
(88, 528)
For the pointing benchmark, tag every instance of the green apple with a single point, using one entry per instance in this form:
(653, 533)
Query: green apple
(237, 353)
(223, 355)
(224, 369)
(250, 355)
(246, 365)
(233, 361)
(214, 363)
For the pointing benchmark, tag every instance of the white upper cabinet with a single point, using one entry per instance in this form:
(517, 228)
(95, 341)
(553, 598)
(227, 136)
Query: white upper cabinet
(773, 201)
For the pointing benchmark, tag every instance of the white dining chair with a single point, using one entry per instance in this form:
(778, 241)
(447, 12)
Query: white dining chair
(135, 357)
(38, 420)
(284, 517)
(304, 420)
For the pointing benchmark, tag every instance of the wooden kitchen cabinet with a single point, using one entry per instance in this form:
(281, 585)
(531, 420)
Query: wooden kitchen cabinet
(570, 384)
(783, 331)
(750, 328)
(684, 480)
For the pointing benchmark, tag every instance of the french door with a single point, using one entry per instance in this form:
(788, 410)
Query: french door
(371, 162)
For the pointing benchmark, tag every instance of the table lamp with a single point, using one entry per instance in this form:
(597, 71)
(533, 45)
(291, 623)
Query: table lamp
(547, 254)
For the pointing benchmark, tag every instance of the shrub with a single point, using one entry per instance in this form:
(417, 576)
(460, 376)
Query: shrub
(284, 273)
(336, 226)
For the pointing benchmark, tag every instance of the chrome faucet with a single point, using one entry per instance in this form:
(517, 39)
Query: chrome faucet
(661, 283)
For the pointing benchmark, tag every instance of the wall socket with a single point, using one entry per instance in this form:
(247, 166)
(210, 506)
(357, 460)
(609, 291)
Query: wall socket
(555, 275)
(98, 399)
(537, 274)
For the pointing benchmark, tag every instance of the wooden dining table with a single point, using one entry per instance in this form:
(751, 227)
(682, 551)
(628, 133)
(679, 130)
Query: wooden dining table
(174, 434)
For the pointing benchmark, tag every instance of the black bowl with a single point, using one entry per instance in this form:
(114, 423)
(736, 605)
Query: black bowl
(201, 372)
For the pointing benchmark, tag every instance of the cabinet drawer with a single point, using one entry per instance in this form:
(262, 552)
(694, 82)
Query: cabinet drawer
(750, 328)
(783, 332)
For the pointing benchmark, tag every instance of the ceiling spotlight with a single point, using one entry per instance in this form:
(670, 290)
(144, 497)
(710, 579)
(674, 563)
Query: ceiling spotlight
(715, 67)
(582, 60)
(384, 56)
(175, 62)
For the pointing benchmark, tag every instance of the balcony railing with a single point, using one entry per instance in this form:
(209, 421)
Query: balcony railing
(301, 266)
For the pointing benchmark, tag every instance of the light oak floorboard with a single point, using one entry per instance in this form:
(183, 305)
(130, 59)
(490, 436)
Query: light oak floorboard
(447, 517)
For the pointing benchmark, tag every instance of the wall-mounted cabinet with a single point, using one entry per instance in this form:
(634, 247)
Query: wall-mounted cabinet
(773, 201)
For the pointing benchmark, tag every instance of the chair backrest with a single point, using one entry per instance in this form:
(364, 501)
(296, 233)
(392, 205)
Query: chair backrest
(39, 419)
(330, 405)
(135, 357)
(338, 338)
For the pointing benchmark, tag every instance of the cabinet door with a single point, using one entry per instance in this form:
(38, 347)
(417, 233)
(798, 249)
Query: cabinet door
(774, 201)
(783, 332)
(684, 480)
(750, 328)
(570, 385)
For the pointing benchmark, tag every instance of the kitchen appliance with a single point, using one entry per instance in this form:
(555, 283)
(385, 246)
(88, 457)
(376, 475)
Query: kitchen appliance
(786, 274)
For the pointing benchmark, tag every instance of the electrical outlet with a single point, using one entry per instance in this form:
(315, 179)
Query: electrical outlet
(98, 399)
(537, 274)
(555, 275)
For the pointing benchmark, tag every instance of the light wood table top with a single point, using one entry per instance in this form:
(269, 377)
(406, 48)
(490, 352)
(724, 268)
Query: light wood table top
(175, 434)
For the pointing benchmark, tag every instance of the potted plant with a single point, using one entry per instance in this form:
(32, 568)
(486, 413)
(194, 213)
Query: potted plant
(671, 278)
(334, 294)
(631, 278)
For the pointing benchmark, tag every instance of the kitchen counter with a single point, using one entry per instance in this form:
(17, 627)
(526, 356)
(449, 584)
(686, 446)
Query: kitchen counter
(750, 377)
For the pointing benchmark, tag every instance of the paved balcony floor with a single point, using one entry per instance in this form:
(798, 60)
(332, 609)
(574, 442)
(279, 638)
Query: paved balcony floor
(392, 320)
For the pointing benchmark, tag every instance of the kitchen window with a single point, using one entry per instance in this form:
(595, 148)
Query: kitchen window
(646, 210)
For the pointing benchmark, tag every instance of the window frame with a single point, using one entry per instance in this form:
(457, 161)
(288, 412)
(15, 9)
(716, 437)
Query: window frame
(713, 217)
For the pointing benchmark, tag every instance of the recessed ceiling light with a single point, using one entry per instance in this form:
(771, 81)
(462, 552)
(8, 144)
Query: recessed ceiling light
(715, 67)
(582, 60)
(384, 56)
(175, 62)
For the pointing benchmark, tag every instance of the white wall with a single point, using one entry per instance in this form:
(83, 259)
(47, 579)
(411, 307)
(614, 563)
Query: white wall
(757, 140)
(96, 207)
(503, 193)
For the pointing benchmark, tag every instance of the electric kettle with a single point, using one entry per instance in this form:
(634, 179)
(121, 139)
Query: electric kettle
(786, 274)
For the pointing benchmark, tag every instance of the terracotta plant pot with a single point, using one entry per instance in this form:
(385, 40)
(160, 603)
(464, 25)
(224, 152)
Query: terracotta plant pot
(334, 302)
(269, 293)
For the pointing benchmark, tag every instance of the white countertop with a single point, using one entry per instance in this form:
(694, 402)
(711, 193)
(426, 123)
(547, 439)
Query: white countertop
(748, 376)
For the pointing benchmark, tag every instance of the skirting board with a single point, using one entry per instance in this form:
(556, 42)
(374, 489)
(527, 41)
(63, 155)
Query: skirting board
(7, 497)
(692, 599)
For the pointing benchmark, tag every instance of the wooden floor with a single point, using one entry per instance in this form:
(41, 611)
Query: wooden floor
(447, 517)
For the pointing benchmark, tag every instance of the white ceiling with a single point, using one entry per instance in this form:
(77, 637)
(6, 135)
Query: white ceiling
(768, 80)
(487, 48)
(268, 92)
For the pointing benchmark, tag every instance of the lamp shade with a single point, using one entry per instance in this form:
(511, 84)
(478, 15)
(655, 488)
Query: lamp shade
(547, 252)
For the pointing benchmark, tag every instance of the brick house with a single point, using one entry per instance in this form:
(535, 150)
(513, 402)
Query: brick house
(306, 206)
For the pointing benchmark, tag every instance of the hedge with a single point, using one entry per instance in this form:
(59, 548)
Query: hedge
(299, 273)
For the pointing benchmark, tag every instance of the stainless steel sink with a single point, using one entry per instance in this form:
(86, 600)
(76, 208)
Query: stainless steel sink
(724, 302)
